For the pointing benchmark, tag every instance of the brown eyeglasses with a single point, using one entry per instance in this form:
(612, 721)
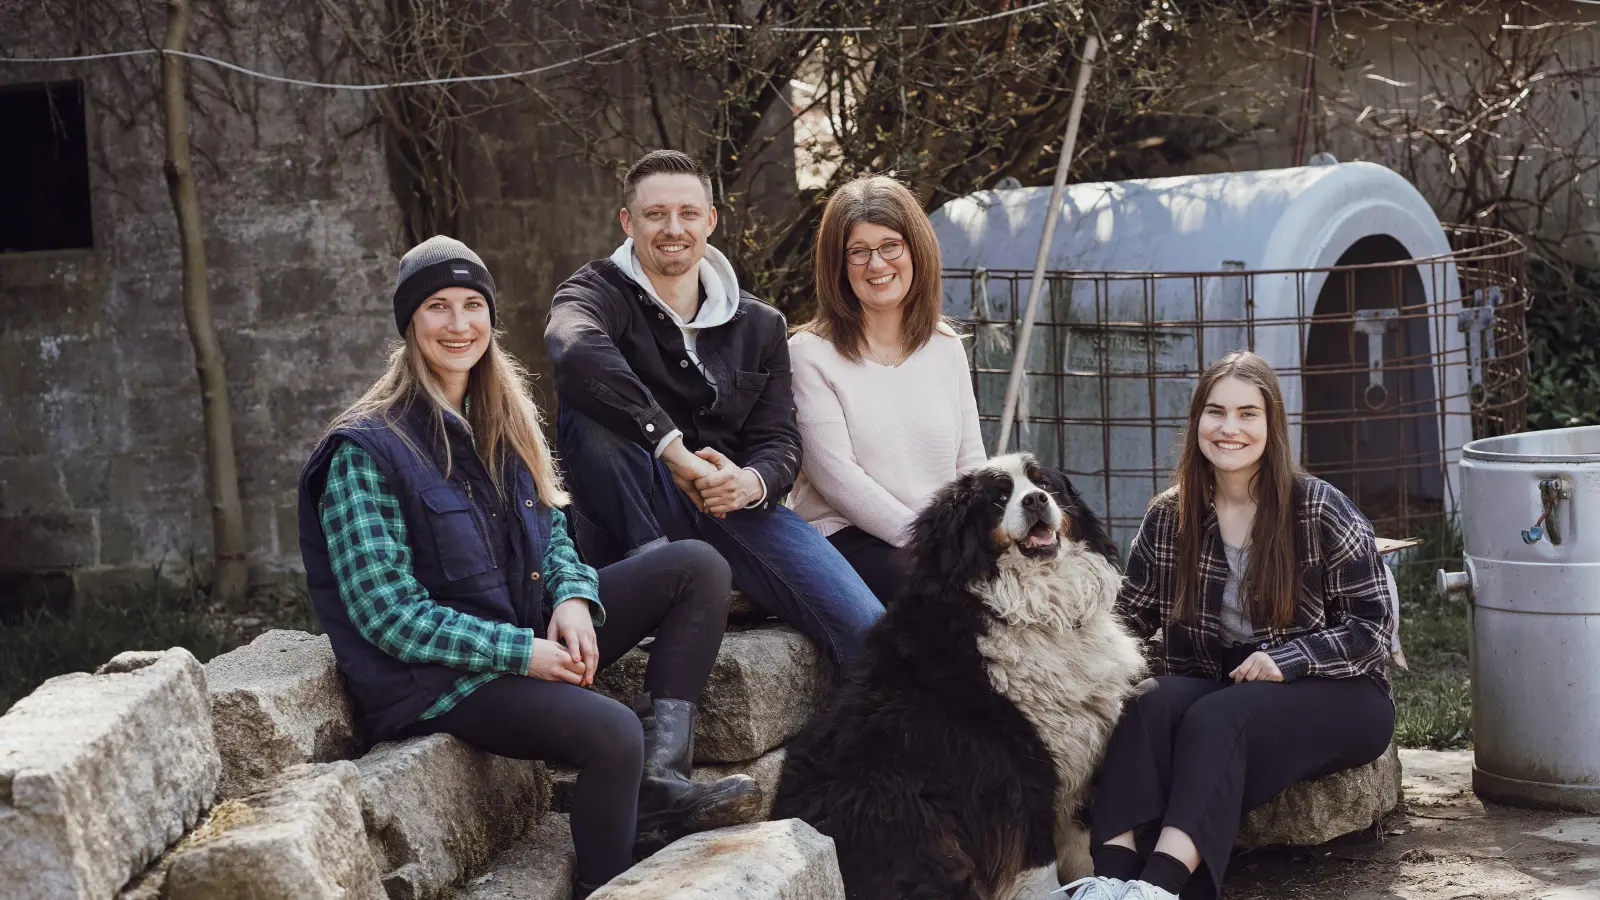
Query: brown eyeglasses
(860, 256)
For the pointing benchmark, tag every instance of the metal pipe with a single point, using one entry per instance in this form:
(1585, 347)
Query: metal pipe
(1307, 84)
(1091, 47)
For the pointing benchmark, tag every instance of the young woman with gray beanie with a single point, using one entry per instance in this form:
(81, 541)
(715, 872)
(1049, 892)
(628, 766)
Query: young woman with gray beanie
(441, 568)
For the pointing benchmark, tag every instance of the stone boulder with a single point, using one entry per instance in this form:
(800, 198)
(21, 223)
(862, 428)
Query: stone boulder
(538, 866)
(436, 809)
(785, 860)
(276, 703)
(765, 769)
(1315, 812)
(743, 611)
(100, 773)
(302, 837)
(765, 685)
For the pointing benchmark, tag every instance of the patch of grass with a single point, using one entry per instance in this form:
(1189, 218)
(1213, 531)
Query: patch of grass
(1433, 702)
(151, 615)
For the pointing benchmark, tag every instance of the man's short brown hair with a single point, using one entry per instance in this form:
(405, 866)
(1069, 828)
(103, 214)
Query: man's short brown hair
(663, 162)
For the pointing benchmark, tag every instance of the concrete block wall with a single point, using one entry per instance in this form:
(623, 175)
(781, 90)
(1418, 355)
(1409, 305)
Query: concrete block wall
(102, 468)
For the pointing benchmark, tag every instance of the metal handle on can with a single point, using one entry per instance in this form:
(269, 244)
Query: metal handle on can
(1551, 492)
(1451, 583)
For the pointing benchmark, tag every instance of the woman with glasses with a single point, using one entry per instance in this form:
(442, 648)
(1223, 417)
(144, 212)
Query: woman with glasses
(881, 387)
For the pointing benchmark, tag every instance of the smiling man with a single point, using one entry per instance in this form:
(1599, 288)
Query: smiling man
(676, 415)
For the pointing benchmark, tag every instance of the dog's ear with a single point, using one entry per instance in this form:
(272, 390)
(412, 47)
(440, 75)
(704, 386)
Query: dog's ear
(951, 540)
(1086, 526)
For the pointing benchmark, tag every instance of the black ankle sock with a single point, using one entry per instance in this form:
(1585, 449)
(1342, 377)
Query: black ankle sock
(1112, 861)
(1165, 872)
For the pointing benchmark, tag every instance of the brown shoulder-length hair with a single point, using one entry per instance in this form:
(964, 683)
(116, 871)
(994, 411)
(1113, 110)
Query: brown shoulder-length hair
(883, 201)
(1270, 586)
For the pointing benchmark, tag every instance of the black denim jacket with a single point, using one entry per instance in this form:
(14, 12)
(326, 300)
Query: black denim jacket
(620, 361)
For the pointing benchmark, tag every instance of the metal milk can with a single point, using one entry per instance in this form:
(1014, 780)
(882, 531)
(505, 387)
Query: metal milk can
(1530, 516)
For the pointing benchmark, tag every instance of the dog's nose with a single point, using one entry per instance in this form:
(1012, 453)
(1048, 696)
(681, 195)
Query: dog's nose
(1035, 501)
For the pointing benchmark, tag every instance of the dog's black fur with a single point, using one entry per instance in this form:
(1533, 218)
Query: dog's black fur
(931, 783)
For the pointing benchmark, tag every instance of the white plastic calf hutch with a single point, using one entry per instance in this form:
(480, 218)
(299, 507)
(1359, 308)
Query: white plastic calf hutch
(1392, 342)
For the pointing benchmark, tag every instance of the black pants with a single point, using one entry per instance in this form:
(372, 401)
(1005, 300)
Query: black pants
(680, 592)
(1197, 754)
(882, 565)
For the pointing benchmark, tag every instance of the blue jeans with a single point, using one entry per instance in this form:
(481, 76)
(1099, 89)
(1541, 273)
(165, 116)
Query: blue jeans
(625, 502)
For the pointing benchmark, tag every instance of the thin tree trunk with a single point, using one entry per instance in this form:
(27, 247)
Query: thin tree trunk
(227, 514)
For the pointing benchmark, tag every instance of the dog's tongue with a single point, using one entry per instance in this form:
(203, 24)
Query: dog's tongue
(1041, 537)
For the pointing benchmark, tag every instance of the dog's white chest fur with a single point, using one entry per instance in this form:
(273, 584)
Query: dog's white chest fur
(1059, 654)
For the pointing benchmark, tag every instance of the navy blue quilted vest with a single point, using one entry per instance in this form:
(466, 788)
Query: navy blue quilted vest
(461, 553)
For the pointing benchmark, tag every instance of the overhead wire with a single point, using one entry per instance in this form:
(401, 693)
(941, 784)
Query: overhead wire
(537, 70)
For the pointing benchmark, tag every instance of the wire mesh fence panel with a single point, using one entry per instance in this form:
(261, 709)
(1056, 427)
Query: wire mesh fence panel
(1388, 365)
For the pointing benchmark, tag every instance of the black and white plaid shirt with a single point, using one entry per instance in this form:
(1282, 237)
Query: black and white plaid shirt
(1342, 625)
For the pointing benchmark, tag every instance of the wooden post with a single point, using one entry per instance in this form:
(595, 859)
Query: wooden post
(1069, 139)
(227, 513)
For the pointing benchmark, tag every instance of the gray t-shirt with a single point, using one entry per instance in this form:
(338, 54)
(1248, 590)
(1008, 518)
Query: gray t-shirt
(1236, 626)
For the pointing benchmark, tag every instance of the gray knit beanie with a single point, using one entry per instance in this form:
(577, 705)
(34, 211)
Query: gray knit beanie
(433, 265)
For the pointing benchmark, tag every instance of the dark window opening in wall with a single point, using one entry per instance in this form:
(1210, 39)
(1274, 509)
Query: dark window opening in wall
(44, 168)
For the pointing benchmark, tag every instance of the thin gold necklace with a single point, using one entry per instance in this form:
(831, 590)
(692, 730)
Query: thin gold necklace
(873, 355)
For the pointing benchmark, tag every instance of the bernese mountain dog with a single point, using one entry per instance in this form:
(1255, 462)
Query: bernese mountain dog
(955, 759)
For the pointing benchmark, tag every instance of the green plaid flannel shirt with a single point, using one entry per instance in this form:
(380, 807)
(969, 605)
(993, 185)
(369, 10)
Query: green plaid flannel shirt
(371, 555)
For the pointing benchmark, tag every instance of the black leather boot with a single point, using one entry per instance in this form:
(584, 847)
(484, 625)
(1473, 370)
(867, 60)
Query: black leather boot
(581, 891)
(671, 804)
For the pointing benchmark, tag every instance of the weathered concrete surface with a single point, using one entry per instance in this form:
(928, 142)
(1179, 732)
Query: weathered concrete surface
(100, 773)
(1443, 843)
(1315, 812)
(785, 860)
(436, 809)
(538, 866)
(764, 687)
(765, 769)
(102, 450)
(277, 702)
(301, 838)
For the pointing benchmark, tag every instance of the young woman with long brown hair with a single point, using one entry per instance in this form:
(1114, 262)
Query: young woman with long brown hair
(882, 393)
(441, 569)
(1266, 588)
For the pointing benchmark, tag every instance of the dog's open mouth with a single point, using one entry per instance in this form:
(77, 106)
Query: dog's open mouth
(1041, 540)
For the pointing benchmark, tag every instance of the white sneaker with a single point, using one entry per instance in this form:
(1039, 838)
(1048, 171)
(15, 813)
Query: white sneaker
(1095, 888)
(1144, 890)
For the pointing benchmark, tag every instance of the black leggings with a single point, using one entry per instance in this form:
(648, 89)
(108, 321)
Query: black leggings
(1198, 754)
(680, 592)
(882, 565)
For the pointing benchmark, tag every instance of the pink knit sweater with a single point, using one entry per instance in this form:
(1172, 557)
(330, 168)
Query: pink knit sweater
(879, 440)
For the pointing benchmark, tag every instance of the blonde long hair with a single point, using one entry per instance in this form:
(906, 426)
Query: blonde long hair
(501, 414)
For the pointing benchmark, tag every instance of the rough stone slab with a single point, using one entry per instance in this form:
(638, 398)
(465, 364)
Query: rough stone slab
(100, 773)
(437, 809)
(562, 780)
(277, 702)
(764, 687)
(302, 838)
(765, 769)
(537, 867)
(1315, 812)
(743, 611)
(785, 860)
